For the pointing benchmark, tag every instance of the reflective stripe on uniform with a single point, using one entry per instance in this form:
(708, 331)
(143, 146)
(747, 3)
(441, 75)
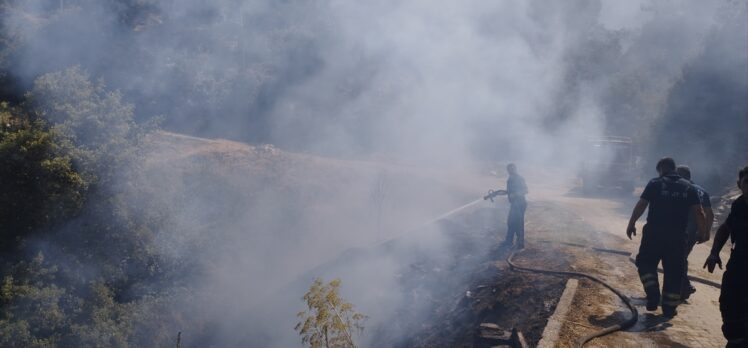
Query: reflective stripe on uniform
(649, 279)
(736, 341)
(670, 299)
(646, 276)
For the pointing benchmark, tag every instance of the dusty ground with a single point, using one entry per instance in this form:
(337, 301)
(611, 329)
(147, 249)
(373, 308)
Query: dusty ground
(601, 221)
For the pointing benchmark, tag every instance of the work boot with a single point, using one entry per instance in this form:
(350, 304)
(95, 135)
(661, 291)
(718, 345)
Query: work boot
(669, 312)
(688, 292)
(652, 304)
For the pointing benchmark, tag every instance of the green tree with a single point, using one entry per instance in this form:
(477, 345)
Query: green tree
(329, 320)
(40, 185)
(96, 122)
(99, 128)
(33, 312)
(67, 156)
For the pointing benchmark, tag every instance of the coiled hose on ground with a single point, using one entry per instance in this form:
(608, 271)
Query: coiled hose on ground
(582, 341)
(634, 313)
(608, 330)
(632, 259)
(625, 325)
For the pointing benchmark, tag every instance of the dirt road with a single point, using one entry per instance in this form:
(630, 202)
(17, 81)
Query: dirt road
(556, 214)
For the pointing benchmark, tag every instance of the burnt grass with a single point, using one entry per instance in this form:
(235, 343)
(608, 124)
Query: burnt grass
(448, 300)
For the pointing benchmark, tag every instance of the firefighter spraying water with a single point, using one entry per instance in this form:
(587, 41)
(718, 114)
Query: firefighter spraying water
(516, 189)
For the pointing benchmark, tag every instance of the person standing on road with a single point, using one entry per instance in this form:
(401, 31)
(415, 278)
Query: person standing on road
(670, 198)
(692, 236)
(516, 189)
(733, 297)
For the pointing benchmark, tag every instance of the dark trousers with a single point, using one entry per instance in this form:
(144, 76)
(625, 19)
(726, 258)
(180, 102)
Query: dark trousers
(516, 223)
(670, 248)
(733, 304)
(690, 243)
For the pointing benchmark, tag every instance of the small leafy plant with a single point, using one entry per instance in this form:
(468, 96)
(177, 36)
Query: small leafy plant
(329, 320)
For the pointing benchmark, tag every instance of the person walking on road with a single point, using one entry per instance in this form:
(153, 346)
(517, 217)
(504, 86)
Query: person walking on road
(670, 198)
(733, 297)
(692, 236)
(516, 189)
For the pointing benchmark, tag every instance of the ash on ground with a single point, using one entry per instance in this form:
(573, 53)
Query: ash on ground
(447, 301)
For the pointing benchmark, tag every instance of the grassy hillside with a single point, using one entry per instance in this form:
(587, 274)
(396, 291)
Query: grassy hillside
(318, 205)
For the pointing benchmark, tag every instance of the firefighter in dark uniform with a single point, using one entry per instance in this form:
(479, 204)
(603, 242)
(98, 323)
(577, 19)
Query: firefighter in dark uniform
(516, 189)
(733, 297)
(692, 236)
(670, 199)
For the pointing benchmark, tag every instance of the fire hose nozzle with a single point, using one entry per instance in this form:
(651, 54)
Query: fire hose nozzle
(491, 194)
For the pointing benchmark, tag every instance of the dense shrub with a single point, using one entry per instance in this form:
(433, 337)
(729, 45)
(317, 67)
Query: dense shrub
(72, 246)
(40, 187)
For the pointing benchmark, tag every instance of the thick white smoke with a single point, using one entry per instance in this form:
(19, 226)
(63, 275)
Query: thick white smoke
(438, 84)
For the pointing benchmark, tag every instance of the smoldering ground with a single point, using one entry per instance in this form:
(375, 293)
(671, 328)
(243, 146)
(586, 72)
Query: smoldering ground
(431, 84)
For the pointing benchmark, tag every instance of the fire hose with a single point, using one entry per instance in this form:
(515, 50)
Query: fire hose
(629, 322)
(634, 313)
(582, 341)
(631, 258)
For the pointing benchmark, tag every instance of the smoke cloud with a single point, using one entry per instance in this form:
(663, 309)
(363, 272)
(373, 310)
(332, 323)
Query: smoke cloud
(430, 84)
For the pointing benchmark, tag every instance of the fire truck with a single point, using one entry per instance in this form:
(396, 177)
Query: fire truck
(609, 164)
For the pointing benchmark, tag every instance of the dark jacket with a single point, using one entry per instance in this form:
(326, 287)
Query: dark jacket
(738, 223)
(670, 200)
(516, 189)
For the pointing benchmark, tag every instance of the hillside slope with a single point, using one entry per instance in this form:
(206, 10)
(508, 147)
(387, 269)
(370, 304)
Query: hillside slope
(245, 221)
